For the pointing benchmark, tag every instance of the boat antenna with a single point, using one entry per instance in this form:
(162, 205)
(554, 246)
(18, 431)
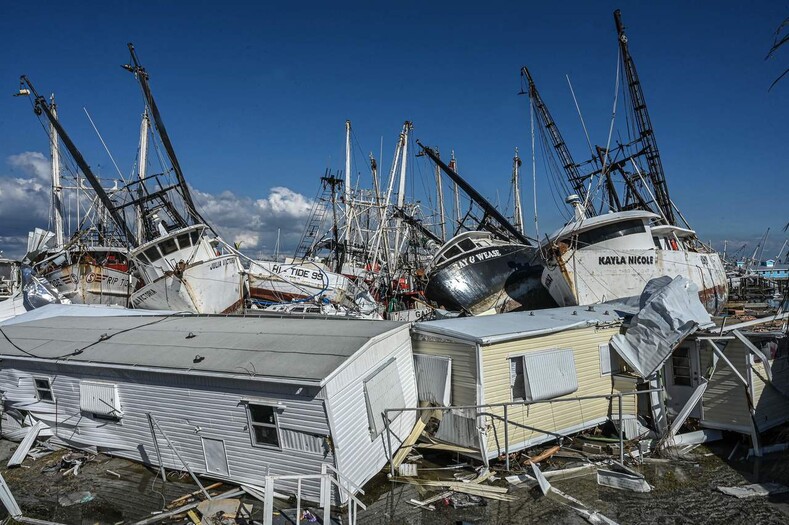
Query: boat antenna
(645, 132)
(475, 196)
(142, 77)
(40, 105)
(104, 144)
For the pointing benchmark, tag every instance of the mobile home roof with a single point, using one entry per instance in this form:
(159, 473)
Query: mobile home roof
(281, 348)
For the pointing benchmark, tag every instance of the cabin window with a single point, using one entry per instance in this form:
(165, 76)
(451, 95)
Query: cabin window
(195, 235)
(467, 245)
(656, 240)
(153, 254)
(680, 366)
(168, 246)
(44, 389)
(452, 252)
(611, 231)
(100, 400)
(543, 375)
(382, 390)
(610, 362)
(263, 425)
(183, 241)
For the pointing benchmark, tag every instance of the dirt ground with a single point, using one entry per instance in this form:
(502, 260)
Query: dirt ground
(684, 493)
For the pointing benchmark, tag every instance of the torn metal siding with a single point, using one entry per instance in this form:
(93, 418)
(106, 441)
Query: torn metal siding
(187, 409)
(358, 455)
(464, 366)
(433, 378)
(555, 417)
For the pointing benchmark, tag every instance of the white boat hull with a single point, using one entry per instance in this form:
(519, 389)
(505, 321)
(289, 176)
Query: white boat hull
(594, 275)
(281, 282)
(208, 287)
(87, 283)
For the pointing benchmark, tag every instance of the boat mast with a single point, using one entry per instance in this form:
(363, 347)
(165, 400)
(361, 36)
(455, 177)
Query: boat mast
(440, 198)
(475, 196)
(348, 209)
(401, 188)
(41, 106)
(57, 188)
(516, 188)
(142, 77)
(453, 165)
(647, 135)
(565, 158)
(142, 169)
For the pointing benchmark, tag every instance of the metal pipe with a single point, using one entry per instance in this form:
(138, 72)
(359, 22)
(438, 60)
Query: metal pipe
(621, 432)
(506, 439)
(185, 464)
(389, 453)
(156, 447)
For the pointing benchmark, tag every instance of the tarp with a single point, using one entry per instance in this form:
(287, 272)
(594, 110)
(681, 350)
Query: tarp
(670, 311)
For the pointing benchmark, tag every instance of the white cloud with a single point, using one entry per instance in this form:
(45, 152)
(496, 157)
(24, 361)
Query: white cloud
(253, 222)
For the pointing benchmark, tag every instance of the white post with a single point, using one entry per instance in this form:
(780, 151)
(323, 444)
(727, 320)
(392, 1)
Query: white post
(516, 188)
(401, 189)
(268, 500)
(348, 209)
(142, 168)
(326, 494)
(57, 188)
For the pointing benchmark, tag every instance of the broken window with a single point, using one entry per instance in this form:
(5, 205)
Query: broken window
(44, 389)
(543, 375)
(680, 366)
(100, 400)
(382, 390)
(263, 425)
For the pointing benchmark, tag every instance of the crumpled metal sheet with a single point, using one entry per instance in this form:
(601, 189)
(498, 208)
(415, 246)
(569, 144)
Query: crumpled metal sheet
(670, 311)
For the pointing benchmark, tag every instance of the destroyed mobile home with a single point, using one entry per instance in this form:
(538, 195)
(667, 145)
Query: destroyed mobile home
(231, 398)
(513, 381)
(249, 400)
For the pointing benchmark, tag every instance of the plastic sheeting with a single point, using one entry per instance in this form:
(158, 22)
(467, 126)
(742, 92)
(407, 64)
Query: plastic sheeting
(670, 311)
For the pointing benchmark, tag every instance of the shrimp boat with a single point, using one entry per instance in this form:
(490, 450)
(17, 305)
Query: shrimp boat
(611, 251)
(490, 271)
(93, 267)
(183, 263)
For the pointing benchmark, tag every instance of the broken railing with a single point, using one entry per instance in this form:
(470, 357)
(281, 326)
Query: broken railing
(483, 410)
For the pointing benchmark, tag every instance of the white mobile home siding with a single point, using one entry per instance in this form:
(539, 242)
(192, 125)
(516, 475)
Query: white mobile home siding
(359, 456)
(187, 408)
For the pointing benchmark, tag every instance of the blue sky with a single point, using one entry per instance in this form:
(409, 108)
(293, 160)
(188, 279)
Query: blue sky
(255, 95)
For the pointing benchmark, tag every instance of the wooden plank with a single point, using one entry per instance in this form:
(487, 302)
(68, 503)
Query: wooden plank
(408, 443)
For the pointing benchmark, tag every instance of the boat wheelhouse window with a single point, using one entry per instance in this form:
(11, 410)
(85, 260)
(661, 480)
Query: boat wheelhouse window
(452, 252)
(168, 246)
(183, 241)
(656, 240)
(195, 235)
(467, 245)
(43, 389)
(153, 254)
(610, 231)
(263, 425)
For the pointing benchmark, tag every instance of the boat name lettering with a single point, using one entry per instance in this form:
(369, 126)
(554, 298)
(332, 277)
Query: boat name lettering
(220, 263)
(143, 296)
(295, 271)
(477, 257)
(621, 259)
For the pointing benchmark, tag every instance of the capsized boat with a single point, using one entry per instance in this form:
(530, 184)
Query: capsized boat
(490, 271)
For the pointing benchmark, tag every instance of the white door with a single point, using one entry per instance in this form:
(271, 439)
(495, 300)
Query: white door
(683, 376)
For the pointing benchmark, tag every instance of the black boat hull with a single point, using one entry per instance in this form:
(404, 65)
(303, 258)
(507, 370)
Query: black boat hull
(501, 278)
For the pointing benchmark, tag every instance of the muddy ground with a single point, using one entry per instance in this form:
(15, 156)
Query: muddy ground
(684, 493)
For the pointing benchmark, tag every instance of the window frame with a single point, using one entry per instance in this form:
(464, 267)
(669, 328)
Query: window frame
(49, 389)
(251, 424)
